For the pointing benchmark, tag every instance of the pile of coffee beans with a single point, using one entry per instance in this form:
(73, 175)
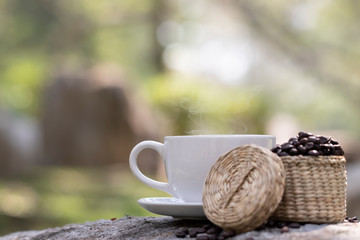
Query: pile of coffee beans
(283, 226)
(206, 232)
(309, 144)
(351, 220)
(212, 232)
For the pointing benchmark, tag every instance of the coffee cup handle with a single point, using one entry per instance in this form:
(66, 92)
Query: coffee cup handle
(158, 147)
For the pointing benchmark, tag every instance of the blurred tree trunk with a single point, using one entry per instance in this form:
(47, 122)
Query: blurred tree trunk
(157, 16)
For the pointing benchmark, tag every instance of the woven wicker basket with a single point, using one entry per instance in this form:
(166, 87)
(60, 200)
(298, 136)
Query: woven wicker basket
(315, 189)
(243, 188)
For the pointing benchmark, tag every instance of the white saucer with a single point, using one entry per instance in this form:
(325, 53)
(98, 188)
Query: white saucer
(174, 207)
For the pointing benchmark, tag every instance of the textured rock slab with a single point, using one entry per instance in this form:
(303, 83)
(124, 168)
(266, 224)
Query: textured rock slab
(164, 228)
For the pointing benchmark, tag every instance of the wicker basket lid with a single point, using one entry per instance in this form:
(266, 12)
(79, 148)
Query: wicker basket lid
(243, 188)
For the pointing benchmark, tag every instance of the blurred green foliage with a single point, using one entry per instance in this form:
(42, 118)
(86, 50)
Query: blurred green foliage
(39, 38)
(198, 107)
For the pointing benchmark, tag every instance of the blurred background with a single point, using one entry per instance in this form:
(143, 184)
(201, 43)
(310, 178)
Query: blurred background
(82, 82)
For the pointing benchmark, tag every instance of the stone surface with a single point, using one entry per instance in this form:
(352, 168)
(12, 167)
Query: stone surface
(165, 228)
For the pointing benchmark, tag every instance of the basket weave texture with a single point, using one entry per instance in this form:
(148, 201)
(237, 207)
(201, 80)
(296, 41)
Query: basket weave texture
(243, 188)
(315, 189)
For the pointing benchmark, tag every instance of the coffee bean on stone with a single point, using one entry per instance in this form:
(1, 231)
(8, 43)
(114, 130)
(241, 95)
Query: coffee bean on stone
(192, 232)
(353, 218)
(202, 236)
(185, 230)
(294, 225)
(228, 233)
(212, 236)
(180, 234)
(313, 153)
(206, 226)
(214, 230)
(284, 229)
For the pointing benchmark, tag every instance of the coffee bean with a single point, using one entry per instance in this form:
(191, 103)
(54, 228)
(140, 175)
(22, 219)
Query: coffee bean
(304, 134)
(180, 234)
(353, 220)
(185, 230)
(214, 230)
(287, 147)
(294, 225)
(283, 154)
(293, 152)
(228, 233)
(202, 237)
(313, 153)
(338, 150)
(309, 145)
(317, 147)
(284, 229)
(220, 237)
(192, 232)
(276, 148)
(207, 226)
(313, 139)
(292, 139)
(303, 141)
(323, 139)
(301, 149)
(334, 142)
(212, 236)
(296, 143)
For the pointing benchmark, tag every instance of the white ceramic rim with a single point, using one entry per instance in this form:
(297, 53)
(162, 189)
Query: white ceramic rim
(221, 136)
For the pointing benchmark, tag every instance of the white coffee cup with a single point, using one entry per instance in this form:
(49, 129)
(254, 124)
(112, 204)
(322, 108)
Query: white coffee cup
(188, 160)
